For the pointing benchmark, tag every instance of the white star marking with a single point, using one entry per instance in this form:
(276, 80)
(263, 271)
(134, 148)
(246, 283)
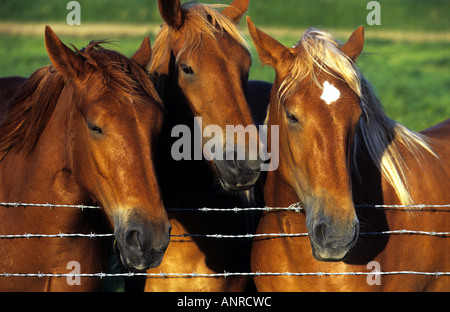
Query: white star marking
(330, 93)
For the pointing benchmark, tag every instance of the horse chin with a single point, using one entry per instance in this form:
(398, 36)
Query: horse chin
(138, 265)
(236, 180)
(329, 254)
(133, 267)
(234, 185)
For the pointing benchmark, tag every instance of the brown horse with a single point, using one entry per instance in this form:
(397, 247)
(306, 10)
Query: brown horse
(339, 150)
(81, 131)
(200, 65)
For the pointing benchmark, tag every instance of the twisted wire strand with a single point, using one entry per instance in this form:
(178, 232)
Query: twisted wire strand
(222, 275)
(294, 207)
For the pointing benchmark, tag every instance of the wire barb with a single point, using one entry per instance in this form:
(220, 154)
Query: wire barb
(225, 274)
(296, 207)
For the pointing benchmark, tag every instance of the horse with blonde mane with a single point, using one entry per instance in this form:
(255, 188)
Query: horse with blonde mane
(339, 156)
(200, 66)
(80, 132)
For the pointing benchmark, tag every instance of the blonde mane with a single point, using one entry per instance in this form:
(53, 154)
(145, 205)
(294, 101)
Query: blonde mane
(381, 136)
(200, 21)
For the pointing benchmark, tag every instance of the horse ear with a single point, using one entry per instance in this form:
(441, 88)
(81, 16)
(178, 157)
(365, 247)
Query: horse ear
(66, 62)
(355, 44)
(236, 9)
(171, 12)
(144, 54)
(270, 51)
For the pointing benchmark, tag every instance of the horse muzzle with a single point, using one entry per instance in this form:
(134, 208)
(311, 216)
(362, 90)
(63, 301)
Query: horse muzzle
(332, 242)
(141, 243)
(237, 174)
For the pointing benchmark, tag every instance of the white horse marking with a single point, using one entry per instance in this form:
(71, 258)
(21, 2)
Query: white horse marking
(330, 93)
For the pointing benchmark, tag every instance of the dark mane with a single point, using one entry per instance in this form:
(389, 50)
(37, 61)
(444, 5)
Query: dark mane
(31, 108)
(29, 111)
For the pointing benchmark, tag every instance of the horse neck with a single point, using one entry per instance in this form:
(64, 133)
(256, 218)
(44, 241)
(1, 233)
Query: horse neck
(278, 193)
(366, 180)
(44, 174)
(175, 102)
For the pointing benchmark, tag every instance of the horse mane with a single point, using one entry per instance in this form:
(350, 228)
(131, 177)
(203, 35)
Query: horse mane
(29, 111)
(200, 21)
(382, 137)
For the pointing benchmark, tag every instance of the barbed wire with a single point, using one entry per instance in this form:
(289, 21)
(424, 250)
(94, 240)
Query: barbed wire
(294, 207)
(51, 206)
(221, 275)
(60, 235)
(263, 235)
(222, 236)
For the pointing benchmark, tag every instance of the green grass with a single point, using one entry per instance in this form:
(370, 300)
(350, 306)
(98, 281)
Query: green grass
(396, 14)
(412, 80)
(129, 11)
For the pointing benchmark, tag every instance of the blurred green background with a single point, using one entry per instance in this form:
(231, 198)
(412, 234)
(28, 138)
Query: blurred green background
(406, 58)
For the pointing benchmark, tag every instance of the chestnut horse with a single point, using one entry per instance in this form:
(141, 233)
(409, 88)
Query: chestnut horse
(200, 64)
(81, 131)
(339, 150)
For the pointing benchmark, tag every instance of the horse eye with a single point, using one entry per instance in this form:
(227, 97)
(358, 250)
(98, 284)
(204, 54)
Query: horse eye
(93, 128)
(187, 69)
(291, 118)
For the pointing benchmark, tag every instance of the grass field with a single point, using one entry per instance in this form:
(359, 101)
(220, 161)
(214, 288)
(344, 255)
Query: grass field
(429, 15)
(407, 58)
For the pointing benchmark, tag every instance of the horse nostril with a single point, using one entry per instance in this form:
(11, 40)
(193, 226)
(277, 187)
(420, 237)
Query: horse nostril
(319, 233)
(328, 235)
(133, 239)
(231, 159)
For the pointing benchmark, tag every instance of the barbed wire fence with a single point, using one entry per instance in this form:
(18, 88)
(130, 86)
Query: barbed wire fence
(294, 207)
